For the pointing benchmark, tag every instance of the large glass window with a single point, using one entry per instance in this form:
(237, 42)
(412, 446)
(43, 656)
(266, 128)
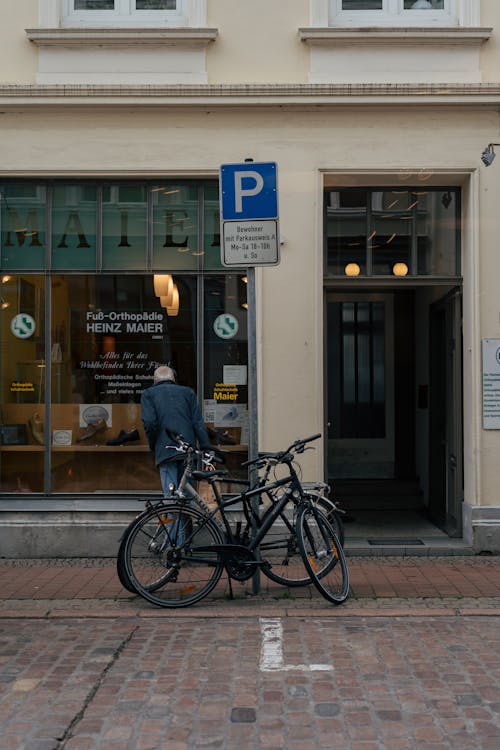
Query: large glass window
(79, 345)
(392, 232)
(23, 383)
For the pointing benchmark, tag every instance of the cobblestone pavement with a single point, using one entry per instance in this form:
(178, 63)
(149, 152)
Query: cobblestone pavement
(254, 683)
(410, 662)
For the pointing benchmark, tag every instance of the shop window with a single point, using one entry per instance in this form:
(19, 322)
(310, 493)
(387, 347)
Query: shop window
(23, 382)
(392, 232)
(109, 335)
(70, 418)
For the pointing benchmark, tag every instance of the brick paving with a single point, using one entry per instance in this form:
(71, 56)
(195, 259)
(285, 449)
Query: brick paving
(375, 580)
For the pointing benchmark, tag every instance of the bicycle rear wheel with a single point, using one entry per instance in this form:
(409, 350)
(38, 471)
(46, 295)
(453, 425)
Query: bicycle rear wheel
(323, 555)
(167, 556)
(281, 549)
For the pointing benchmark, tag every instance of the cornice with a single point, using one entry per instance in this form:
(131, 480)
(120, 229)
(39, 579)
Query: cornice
(20, 96)
(88, 37)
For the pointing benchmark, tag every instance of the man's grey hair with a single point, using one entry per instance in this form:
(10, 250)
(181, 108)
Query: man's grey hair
(164, 372)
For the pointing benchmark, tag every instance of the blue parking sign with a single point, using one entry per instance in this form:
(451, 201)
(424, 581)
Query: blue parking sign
(249, 191)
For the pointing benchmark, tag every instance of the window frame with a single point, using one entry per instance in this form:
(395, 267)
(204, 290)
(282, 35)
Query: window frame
(466, 12)
(392, 14)
(124, 14)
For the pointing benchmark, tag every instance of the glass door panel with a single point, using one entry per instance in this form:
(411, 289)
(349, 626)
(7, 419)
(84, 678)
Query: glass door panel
(360, 386)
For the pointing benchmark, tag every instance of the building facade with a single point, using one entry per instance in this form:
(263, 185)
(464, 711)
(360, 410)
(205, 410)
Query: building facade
(380, 327)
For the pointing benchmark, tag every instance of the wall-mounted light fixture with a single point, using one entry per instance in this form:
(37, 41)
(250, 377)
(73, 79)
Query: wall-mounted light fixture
(352, 269)
(400, 269)
(488, 154)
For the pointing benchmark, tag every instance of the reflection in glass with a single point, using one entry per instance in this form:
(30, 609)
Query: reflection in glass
(390, 238)
(124, 227)
(226, 363)
(384, 231)
(23, 221)
(94, 4)
(424, 4)
(155, 4)
(362, 4)
(74, 226)
(175, 227)
(211, 225)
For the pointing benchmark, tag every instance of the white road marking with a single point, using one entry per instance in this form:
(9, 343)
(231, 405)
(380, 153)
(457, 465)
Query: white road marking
(271, 652)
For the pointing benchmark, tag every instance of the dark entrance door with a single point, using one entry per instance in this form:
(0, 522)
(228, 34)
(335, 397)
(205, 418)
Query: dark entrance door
(445, 418)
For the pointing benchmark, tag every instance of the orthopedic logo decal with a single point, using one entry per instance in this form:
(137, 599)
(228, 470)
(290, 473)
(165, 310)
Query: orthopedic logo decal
(22, 326)
(226, 326)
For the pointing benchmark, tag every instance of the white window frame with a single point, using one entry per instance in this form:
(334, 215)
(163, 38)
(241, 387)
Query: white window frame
(328, 13)
(124, 14)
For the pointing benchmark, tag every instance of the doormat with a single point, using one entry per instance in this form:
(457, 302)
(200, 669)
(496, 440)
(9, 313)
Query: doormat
(390, 541)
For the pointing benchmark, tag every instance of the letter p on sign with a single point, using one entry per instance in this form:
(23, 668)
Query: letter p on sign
(240, 191)
(249, 191)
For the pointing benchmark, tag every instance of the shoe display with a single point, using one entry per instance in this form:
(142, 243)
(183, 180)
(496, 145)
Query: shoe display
(220, 438)
(124, 437)
(36, 427)
(92, 429)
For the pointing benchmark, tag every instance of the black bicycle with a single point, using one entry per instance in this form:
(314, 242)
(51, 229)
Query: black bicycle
(174, 553)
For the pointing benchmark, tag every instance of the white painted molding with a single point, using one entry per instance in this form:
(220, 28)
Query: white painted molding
(385, 35)
(54, 37)
(468, 12)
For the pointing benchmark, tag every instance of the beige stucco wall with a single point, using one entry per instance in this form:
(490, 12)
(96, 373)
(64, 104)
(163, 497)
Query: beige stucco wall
(404, 142)
(490, 55)
(18, 58)
(258, 42)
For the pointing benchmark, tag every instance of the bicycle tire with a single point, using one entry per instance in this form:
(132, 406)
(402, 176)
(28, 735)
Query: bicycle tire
(120, 565)
(286, 565)
(323, 555)
(161, 558)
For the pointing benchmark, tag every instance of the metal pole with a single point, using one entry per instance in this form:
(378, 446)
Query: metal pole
(253, 427)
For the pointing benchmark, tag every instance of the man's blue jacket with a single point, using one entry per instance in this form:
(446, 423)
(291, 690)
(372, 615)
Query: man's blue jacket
(166, 405)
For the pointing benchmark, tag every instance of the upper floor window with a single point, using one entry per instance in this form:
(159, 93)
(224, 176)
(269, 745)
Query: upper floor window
(392, 12)
(124, 12)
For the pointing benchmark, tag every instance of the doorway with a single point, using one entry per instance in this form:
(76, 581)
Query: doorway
(393, 394)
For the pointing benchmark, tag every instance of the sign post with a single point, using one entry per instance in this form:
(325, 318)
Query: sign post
(250, 238)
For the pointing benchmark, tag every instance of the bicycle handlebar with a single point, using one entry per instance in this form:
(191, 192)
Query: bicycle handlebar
(298, 446)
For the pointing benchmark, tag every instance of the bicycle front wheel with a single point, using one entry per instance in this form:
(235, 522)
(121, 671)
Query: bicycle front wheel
(167, 556)
(281, 550)
(322, 554)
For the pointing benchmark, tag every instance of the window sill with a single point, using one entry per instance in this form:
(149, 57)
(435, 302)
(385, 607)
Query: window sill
(396, 35)
(90, 37)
